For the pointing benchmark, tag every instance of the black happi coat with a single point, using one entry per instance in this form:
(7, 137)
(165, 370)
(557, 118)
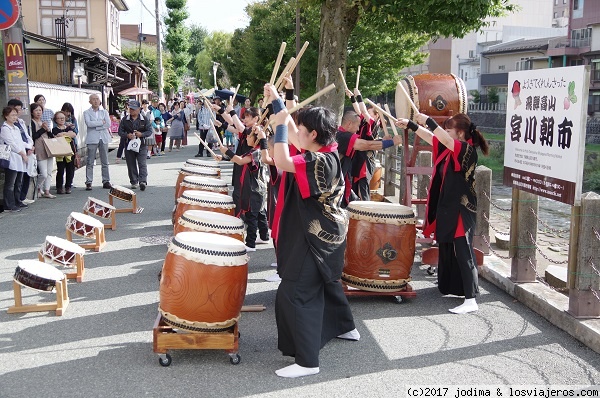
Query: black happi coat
(253, 184)
(452, 190)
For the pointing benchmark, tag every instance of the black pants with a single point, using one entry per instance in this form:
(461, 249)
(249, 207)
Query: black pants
(256, 221)
(61, 167)
(12, 188)
(122, 145)
(457, 269)
(24, 187)
(164, 141)
(361, 189)
(136, 165)
(201, 147)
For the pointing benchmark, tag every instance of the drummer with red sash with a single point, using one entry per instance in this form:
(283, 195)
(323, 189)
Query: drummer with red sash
(310, 307)
(452, 204)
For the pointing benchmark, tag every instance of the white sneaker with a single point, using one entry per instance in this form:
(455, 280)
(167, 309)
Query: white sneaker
(273, 278)
(250, 249)
(259, 240)
(28, 201)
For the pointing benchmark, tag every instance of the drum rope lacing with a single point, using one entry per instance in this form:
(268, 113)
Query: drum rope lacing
(398, 284)
(215, 226)
(206, 251)
(210, 202)
(380, 215)
(203, 185)
(194, 328)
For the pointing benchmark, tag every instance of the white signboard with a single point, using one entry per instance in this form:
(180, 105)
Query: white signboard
(545, 131)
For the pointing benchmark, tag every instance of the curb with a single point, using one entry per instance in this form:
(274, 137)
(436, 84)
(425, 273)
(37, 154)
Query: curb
(543, 300)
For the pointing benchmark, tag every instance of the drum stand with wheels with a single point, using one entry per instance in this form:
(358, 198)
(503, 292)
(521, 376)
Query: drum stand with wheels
(166, 338)
(408, 292)
(133, 201)
(59, 306)
(79, 267)
(99, 237)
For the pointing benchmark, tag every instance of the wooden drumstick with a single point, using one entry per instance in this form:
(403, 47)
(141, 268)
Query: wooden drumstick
(208, 93)
(205, 145)
(253, 308)
(278, 62)
(381, 110)
(343, 79)
(311, 98)
(387, 108)
(412, 104)
(357, 76)
(215, 128)
(279, 82)
(236, 91)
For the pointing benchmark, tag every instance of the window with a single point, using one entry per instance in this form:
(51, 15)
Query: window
(75, 11)
(575, 4)
(115, 36)
(501, 67)
(524, 64)
(471, 54)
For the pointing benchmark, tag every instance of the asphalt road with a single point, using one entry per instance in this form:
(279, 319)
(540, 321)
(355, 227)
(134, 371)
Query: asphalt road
(102, 345)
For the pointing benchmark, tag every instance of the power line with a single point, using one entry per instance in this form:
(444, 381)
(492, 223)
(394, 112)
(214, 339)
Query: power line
(150, 12)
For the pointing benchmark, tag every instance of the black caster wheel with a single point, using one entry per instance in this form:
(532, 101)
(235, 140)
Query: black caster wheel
(398, 299)
(430, 271)
(235, 359)
(166, 361)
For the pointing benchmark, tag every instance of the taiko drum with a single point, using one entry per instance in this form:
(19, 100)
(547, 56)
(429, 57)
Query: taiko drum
(195, 183)
(211, 222)
(203, 281)
(380, 248)
(209, 164)
(201, 200)
(439, 96)
(194, 171)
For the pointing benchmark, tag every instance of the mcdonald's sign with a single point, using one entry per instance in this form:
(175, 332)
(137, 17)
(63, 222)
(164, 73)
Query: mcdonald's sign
(14, 56)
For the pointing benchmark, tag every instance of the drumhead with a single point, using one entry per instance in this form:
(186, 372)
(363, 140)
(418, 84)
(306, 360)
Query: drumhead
(87, 220)
(41, 270)
(211, 221)
(199, 171)
(122, 189)
(208, 199)
(204, 163)
(205, 182)
(208, 248)
(381, 212)
(100, 202)
(64, 244)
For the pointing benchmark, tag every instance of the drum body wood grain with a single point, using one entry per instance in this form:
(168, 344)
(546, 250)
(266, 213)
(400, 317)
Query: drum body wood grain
(439, 96)
(211, 222)
(380, 246)
(194, 171)
(203, 281)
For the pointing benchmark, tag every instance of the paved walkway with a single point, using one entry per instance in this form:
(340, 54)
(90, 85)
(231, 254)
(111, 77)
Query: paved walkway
(102, 345)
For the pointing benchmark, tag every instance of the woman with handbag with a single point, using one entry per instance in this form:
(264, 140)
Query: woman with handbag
(11, 135)
(64, 163)
(40, 130)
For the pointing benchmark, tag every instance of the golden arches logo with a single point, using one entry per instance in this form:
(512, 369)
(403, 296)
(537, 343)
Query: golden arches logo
(13, 48)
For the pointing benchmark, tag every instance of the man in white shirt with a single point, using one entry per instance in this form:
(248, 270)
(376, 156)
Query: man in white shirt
(98, 137)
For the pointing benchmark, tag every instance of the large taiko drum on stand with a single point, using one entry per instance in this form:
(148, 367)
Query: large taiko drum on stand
(211, 222)
(195, 183)
(194, 171)
(380, 247)
(436, 95)
(203, 282)
(209, 164)
(201, 200)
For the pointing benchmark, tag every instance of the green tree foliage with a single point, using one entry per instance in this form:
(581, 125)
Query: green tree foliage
(217, 47)
(177, 39)
(146, 54)
(492, 94)
(197, 36)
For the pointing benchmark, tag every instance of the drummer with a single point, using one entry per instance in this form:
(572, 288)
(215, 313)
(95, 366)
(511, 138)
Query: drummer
(310, 306)
(350, 144)
(451, 203)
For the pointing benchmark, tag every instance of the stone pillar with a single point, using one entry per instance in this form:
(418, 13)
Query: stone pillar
(424, 159)
(483, 190)
(584, 250)
(522, 223)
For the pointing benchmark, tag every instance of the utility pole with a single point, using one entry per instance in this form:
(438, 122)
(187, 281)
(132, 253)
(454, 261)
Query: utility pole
(297, 78)
(159, 63)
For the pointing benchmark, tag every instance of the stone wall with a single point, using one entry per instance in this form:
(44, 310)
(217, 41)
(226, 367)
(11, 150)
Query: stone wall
(494, 122)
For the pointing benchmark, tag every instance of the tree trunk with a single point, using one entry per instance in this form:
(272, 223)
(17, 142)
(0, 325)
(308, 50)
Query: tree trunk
(338, 19)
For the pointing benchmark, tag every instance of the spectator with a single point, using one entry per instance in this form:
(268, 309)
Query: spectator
(135, 125)
(11, 135)
(177, 126)
(41, 130)
(247, 104)
(64, 164)
(98, 137)
(25, 136)
(165, 116)
(70, 119)
(47, 114)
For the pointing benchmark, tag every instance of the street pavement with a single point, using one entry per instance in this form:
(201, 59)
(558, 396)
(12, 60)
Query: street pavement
(102, 345)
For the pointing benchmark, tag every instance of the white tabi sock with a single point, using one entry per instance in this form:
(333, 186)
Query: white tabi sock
(274, 265)
(351, 335)
(469, 305)
(296, 371)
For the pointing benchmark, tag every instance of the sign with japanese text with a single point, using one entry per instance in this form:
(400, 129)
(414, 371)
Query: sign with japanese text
(545, 132)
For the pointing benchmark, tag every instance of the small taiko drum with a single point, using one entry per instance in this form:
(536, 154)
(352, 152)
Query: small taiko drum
(201, 200)
(203, 282)
(439, 96)
(380, 247)
(194, 171)
(121, 193)
(83, 225)
(211, 222)
(195, 183)
(61, 251)
(37, 275)
(98, 208)
(210, 164)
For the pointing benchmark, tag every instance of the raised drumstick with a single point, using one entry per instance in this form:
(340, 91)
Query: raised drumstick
(357, 76)
(412, 104)
(278, 62)
(205, 145)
